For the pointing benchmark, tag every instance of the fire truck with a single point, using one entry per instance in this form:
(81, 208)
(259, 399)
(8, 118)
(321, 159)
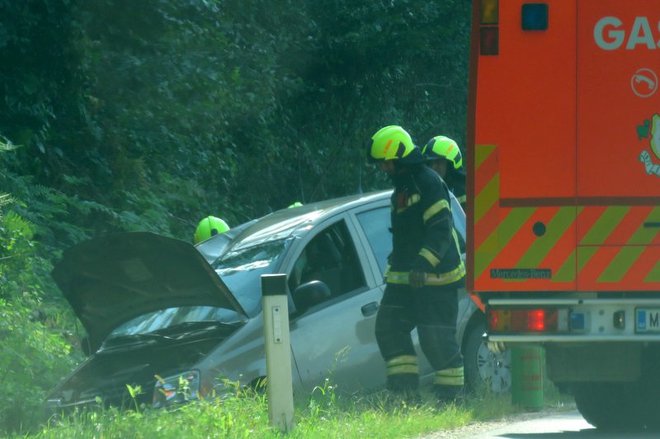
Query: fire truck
(563, 152)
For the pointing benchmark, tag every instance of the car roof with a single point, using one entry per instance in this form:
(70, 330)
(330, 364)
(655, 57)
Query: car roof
(288, 222)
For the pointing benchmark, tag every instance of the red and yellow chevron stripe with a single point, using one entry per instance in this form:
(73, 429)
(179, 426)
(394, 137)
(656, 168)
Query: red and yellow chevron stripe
(567, 244)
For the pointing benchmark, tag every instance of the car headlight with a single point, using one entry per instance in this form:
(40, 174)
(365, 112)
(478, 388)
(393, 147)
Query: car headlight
(175, 389)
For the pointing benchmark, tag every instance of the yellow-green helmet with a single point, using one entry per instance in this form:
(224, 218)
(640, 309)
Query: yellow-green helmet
(442, 147)
(393, 143)
(209, 226)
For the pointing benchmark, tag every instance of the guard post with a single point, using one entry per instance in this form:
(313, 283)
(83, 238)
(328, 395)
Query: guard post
(527, 376)
(278, 351)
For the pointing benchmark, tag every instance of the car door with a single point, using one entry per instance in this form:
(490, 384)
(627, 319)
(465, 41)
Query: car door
(335, 339)
(375, 225)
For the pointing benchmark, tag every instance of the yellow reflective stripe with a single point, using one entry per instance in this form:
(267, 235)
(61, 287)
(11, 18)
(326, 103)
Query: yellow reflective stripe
(449, 381)
(461, 199)
(450, 377)
(404, 364)
(446, 278)
(413, 199)
(402, 359)
(401, 277)
(426, 254)
(434, 209)
(397, 277)
(455, 235)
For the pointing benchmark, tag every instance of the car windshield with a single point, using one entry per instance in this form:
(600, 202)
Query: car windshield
(241, 270)
(171, 317)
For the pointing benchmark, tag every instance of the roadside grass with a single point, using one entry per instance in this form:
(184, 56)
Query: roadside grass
(325, 414)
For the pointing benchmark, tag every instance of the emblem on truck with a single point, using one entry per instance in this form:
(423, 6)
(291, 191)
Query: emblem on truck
(644, 82)
(648, 159)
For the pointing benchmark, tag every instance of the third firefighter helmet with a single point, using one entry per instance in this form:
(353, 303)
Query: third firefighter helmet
(441, 147)
(209, 226)
(394, 143)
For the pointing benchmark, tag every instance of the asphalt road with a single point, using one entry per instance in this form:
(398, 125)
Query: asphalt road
(541, 425)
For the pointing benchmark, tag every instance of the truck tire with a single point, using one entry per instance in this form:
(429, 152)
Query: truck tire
(608, 406)
(485, 370)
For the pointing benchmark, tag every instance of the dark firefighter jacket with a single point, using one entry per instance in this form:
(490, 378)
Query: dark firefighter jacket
(456, 182)
(423, 234)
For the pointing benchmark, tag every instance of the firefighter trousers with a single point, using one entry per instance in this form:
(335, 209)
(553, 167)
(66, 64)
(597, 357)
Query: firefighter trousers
(433, 311)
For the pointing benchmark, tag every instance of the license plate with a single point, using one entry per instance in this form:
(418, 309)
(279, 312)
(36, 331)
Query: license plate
(647, 320)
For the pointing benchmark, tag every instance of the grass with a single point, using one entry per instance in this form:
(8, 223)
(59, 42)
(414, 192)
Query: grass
(325, 414)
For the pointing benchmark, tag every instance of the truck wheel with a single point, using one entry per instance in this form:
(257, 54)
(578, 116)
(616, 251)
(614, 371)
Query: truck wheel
(485, 370)
(608, 406)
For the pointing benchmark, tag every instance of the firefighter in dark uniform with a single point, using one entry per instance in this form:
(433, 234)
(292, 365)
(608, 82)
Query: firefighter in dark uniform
(424, 274)
(444, 156)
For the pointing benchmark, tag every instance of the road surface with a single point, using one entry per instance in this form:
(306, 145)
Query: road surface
(543, 425)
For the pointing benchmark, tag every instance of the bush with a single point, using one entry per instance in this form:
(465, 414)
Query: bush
(34, 354)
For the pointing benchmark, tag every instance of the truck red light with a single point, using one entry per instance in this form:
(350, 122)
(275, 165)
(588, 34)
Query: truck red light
(536, 320)
(489, 40)
(523, 320)
(493, 320)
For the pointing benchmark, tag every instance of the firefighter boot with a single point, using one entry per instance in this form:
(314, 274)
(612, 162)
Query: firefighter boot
(448, 385)
(404, 390)
(448, 394)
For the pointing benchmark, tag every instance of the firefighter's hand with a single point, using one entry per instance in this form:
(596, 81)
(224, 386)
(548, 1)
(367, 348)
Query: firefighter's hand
(496, 347)
(417, 279)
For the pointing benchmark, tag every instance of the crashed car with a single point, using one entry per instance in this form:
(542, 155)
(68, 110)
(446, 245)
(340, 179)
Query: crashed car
(179, 322)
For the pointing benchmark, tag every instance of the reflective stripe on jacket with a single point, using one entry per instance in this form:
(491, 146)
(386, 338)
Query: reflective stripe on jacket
(399, 277)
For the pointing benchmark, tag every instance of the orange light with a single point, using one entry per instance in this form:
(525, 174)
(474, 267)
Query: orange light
(489, 11)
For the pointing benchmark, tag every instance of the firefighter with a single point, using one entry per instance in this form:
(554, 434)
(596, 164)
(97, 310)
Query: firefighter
(444, 156)
(424, 274)
(209, 226)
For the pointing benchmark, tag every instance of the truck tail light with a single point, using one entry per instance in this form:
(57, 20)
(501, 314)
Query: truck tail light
(489, 31)
(524, 320)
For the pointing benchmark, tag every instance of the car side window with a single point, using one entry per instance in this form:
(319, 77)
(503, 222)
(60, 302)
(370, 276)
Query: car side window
(376, 224)
(329, 257)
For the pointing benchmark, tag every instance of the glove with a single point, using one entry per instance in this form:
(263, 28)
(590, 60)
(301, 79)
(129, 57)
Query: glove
(417, 279)
(496, 347)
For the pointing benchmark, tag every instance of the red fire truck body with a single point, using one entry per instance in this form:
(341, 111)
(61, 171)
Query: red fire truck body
(564, 193)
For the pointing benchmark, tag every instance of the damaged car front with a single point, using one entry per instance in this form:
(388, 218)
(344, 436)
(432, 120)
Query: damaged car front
(153, 309)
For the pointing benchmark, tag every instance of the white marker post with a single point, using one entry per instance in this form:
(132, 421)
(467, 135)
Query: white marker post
(278, 351)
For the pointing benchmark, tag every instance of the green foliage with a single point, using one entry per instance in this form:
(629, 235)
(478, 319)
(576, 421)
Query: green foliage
(166, 112)
(34, 353)
(245, 414)
(149, 115)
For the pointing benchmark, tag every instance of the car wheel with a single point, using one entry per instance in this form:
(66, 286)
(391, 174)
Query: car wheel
(485, 370)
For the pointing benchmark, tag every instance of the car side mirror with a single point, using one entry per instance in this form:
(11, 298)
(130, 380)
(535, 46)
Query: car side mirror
(310, 294)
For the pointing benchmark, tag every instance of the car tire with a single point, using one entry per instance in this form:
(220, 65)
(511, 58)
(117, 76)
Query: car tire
(485, 370)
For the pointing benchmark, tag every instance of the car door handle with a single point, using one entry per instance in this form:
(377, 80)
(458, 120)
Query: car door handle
(369, 309)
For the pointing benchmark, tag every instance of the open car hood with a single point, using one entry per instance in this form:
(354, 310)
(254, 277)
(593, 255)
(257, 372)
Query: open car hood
(112, 279)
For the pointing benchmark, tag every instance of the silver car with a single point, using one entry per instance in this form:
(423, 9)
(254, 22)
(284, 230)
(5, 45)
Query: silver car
(179, 322)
